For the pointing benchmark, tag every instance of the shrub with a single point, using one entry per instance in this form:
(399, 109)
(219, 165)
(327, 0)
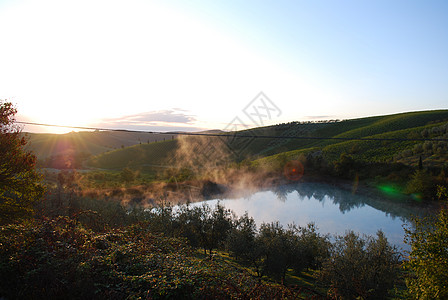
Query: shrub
(428, 259)
(59, 259)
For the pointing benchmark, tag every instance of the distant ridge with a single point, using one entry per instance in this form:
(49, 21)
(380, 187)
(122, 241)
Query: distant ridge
(407, 125)
(139, 148)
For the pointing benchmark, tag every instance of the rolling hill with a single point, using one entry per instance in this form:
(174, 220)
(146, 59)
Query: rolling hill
(72, 149)
(250, 144)
(45, 145)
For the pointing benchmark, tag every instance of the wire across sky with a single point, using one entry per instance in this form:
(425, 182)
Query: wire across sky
(240, 135)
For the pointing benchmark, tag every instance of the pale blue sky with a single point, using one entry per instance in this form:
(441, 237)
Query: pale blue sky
(391, 49)
(87, 63)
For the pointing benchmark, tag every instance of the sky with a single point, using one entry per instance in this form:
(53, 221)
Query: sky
(195, 65)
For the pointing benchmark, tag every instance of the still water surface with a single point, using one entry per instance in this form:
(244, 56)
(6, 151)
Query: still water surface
(332, 209)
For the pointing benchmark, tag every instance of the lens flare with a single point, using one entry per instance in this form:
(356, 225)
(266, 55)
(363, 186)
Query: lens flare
(417, 197)
(293, 170)
(391, 190)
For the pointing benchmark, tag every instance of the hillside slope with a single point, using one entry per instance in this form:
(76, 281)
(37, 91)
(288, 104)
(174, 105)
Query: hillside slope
(45, 145)
(144, 155)
(251, 146)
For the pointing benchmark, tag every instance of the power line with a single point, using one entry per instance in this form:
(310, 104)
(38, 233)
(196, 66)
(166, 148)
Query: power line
(239, 135)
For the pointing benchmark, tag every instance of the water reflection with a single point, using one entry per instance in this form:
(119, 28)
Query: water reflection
(399, 206)
(334, 210)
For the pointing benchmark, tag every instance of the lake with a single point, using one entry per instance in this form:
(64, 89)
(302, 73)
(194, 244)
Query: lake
(334, 210)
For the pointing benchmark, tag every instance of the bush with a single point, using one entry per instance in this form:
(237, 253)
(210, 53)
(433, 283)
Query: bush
(428, 259)
(59, 259)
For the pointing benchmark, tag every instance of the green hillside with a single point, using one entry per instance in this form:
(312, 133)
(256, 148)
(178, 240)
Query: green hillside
(403, 125)
(362, 128)
(145, 155)
(45, 145)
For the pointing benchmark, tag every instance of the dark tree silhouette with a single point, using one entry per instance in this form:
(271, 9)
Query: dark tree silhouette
(20, 184)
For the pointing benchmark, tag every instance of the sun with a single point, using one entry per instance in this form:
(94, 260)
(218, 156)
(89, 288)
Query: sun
(70, 117)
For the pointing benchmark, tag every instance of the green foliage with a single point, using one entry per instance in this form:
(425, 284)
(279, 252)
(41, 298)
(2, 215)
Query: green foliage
(396, 122)
(59, 259)
(98, 180)
(162, 220)
(428, 260)
(20, 184)
(193, 224)
(345, 166)
(243, 243)
(271, 251)
(361, 268)
(296, 247)
(314, 248)
(221, 222)
(98, 253)
(279, 248)
(175, 175)
(421, 184)
(203, 226)
(97, 214)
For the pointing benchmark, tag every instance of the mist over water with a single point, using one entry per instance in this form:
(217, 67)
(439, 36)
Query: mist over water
(332, 209)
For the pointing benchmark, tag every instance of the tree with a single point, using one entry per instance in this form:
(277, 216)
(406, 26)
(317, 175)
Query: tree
(242, 242)
(428, 259)
(191, 224)
(313, 248)
(203, 226)
(221, 224)
(20, 184)
(345, 166)
(361, 268)
(421, 184)
(279, 248)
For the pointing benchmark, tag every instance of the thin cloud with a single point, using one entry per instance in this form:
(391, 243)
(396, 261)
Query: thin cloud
(165, 116)
(175, 119)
